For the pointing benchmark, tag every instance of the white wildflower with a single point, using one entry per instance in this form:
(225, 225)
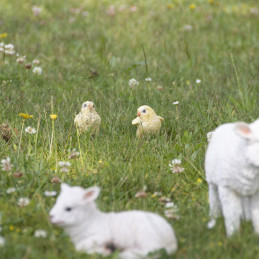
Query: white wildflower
(148, 79)
(187, 27)
(36, 62)
(9, 52)
(198, 81)
(9, 46)
(1, 44)
(209, 135)
(22, 202)
(1, 49)
(20, 60)
(40, 233)
(170, 205)
(10, 190)
(171, 214)
(74, 154)
(30, 130)
(36, 10)
(133, 82)
(175, 103)
(6, 164)
(50, 193)
(175, 166)
(64, 170)
(37, 70)
(64, 163)
(2, 241)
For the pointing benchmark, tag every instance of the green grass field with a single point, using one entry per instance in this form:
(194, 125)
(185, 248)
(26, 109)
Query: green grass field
(87, 53)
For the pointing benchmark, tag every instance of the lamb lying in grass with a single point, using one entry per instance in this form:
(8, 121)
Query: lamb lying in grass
(133, 233)
(232, 172)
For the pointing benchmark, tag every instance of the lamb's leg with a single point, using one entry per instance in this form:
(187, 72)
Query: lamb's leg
(215, 207)
(255, 212)
(232, 209)
(246, 208)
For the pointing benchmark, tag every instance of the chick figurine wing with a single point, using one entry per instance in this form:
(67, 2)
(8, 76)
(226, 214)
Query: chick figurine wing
(88, 120)
(148, 123)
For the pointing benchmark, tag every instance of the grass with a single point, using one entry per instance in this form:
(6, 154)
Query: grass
(221, 50)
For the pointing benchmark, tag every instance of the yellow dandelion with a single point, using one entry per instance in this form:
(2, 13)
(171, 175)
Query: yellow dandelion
(170, 6)
(199, 180)
(220, 243)
(53, 116)
(11, 227)
(3, 35)
(192, 6)
(25, 115)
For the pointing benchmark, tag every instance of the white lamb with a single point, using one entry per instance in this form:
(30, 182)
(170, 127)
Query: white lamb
(232, 172)
(133, 233)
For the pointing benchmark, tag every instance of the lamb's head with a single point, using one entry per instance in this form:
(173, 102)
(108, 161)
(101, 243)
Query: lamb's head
(73, 205)
(250, 133)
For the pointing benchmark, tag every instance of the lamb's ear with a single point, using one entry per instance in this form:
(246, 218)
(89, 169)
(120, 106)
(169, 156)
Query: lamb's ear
(91, 194)
(64, 186)
(244, 131)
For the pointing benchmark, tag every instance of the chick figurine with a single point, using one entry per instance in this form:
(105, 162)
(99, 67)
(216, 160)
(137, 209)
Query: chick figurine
(88, 120)
(148, 123)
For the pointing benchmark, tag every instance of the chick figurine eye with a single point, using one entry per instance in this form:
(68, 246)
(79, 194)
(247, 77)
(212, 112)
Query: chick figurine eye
(84, 105)
(144, 111)
(68, 209)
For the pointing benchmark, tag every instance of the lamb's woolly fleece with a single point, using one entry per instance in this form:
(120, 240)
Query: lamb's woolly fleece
(88, 120)
(133, 233)
(148, 123)
(232, 172)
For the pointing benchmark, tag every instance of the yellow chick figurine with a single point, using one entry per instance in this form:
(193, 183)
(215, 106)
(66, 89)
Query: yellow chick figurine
(148, 123)
(88, 120)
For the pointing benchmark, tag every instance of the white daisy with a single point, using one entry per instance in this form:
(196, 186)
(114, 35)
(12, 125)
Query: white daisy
(30, 130)
(64, 163)
(2, 241)
(148, 79)
(175, 103)
(50, 193)
(22, 202)
(36, 62)
(133, 82)
(198, 81)
(6, 164)
(37, 70)
(40, 233)
(10, 190)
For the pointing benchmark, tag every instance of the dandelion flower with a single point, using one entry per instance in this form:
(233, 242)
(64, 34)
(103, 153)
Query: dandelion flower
(50, 193)
(198, 81)
(40, 233)
(199, 180)
(22, 202)
(3, 35)
(192, 6)
(53, 116)
(148, 79)
(10, 190)
(25, 116)
(30, 130)
(37, 71)
(6, 164)
(133, 82)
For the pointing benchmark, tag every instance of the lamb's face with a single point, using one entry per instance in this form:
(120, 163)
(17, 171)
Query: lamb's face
(71, 205)
(251, 134)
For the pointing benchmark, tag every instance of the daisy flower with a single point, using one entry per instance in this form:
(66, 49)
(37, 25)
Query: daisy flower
(133, 82)
(22, 202)
(40, 233)
(37, 70)
(30, 130)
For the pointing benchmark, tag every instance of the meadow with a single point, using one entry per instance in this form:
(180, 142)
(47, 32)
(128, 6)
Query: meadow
(203, 58)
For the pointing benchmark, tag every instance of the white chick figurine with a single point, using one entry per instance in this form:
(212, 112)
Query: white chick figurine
(148, 123)
(88, 120)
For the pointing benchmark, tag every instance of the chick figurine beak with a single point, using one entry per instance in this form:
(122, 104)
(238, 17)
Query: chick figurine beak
(148, 123)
